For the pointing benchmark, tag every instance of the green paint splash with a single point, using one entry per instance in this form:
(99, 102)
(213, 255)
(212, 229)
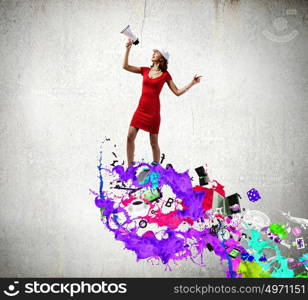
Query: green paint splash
(278, 229)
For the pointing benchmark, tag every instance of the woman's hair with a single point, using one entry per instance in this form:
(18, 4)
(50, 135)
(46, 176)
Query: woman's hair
(163, 65)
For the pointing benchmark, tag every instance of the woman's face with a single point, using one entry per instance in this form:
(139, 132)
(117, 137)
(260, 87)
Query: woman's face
(156, 56)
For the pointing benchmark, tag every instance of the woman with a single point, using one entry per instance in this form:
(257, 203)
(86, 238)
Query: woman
(147, 114)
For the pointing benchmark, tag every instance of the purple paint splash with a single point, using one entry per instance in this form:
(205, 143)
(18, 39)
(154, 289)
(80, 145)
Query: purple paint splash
(177, 225)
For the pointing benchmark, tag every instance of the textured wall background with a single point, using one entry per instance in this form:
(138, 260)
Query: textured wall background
(63, 89)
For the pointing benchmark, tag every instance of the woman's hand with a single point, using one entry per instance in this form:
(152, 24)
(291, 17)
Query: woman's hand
(129, 43)
(196, 79)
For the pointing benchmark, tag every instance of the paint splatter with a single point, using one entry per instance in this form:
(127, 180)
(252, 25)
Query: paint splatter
(161, 216)
(278, 229)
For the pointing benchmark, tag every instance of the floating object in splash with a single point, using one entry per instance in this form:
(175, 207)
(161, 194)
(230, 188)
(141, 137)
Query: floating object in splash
(235, 208)
(274, 237)
(143, 224)
(220, 203)
(247, 256)
(253, 195)
(137, 208)
(263, 258)
(223, 234)
(300, 244)
(256, 219)
(203, 176)
(213, 197)
(296, 231)
(227, 205)
(209, 247)
(234, 252)
(142, 175)
(233, 201)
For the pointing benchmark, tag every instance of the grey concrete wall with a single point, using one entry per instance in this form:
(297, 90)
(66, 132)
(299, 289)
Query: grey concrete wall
(63, 89)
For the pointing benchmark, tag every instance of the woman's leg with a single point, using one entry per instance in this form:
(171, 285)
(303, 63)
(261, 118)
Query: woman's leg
(155, 147)
(130, 148)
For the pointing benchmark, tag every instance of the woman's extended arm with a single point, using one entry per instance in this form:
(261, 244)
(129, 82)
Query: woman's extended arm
(126, 66)
(179, 92)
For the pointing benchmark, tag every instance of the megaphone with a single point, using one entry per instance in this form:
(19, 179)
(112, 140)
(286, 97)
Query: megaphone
(126, 31)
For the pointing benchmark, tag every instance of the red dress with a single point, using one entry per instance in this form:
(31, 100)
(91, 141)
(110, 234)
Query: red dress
(147, 114)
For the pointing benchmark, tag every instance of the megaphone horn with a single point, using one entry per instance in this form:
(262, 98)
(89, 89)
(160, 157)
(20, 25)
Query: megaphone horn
(126, 31)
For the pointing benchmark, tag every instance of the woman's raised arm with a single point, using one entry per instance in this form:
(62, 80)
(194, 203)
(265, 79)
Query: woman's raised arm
(126, 66)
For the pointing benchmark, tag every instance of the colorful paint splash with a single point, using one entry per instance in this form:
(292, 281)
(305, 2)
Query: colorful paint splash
(157, 213)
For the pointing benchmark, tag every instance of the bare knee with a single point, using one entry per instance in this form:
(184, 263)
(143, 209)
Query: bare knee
(154, 144)
(130, 138)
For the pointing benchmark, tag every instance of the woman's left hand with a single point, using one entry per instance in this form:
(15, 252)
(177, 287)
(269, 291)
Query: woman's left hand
(196, 79)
